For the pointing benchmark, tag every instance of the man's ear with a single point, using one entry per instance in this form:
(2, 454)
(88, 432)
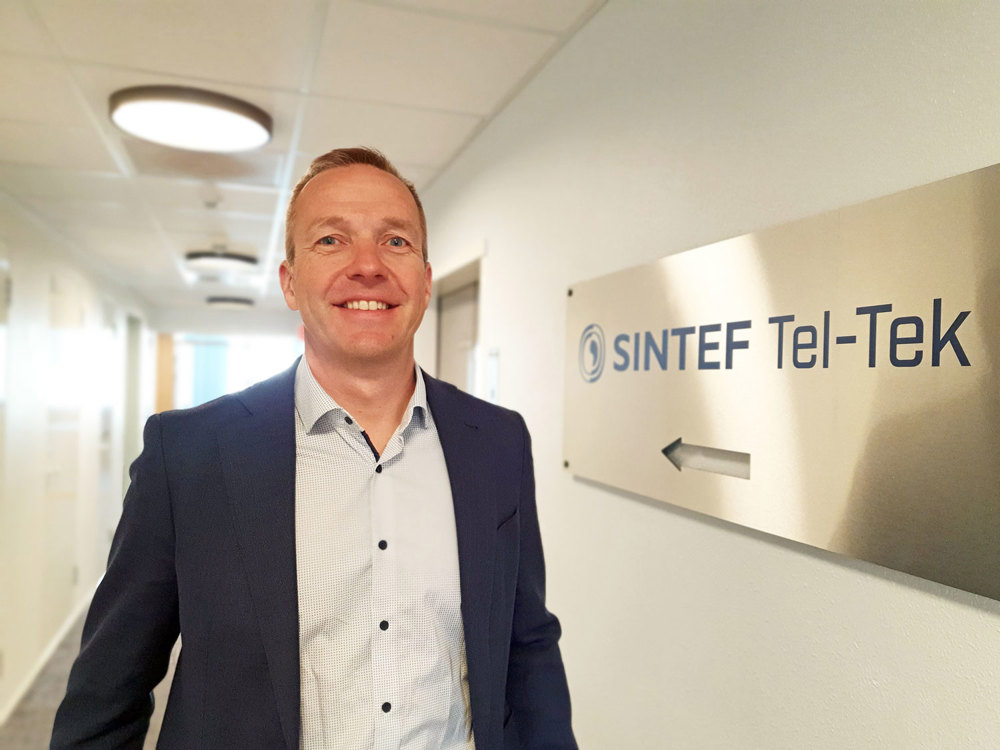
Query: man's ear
(286, 277)
(427, 291)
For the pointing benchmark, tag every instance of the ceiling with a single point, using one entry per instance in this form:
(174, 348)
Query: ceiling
(417, 79)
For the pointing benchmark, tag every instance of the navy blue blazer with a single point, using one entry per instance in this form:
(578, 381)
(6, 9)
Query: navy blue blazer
(206, 548)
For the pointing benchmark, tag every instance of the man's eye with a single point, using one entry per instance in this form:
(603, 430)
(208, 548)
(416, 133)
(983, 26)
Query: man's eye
(397, 242)
(328, 241)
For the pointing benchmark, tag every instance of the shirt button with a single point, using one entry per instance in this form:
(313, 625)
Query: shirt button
(348, 420)
(384, 625)
(383, 544)
(386, 708)
(378, 469)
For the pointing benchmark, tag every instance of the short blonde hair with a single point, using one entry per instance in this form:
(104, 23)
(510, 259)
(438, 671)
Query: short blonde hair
(345, 157)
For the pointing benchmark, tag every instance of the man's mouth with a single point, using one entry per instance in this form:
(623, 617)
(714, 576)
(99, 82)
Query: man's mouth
(365, 304)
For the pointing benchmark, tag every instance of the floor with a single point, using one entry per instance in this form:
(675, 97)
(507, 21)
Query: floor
(30, 726)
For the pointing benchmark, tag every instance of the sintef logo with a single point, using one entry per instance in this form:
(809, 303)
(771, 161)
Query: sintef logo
(591, 355)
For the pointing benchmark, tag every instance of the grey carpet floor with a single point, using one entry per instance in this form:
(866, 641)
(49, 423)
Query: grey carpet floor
(30, 726)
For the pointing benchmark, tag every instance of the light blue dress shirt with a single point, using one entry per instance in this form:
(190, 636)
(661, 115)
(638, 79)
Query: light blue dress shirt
(381, 645)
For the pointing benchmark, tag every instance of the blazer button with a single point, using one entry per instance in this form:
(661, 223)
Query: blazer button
(386, 707)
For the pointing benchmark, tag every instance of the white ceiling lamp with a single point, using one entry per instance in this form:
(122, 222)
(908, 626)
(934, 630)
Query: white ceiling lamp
(229, 303)
(219, 258)
(190, 118)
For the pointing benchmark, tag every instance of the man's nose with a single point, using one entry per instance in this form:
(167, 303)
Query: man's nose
(366, 260)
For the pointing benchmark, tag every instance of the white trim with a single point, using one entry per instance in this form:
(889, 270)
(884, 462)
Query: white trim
(22, 690)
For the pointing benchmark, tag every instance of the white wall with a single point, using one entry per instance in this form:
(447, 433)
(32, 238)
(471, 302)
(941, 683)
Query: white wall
(62, 446)
(664, 126)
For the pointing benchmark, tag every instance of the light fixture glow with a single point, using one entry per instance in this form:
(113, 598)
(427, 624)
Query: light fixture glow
(190, 118)
(230, 303)
(219, 259)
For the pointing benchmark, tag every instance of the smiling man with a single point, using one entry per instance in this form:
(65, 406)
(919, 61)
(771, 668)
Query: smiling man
(357, 273)
(349, 550)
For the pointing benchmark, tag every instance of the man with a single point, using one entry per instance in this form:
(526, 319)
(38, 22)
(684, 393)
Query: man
(349, 550)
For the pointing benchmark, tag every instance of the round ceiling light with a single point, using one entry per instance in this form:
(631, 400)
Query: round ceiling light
(219, 259)
(190, 118)
(230, 303)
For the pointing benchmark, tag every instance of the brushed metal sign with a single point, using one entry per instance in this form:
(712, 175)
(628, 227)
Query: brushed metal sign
(834, 381)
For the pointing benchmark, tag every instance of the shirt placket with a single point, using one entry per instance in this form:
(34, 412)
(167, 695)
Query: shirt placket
(387, 667)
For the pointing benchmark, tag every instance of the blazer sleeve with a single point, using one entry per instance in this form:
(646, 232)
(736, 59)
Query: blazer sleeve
(537, 693)
(133, 620)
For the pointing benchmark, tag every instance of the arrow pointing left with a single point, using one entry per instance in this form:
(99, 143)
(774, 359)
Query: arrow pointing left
(704, 458)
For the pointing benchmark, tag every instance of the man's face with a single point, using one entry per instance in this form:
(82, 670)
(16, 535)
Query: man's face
(358, 279)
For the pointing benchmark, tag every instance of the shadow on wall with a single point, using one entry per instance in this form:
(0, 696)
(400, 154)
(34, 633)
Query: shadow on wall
(925, 497)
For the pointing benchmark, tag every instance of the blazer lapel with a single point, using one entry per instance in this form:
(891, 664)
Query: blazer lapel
(475, 525)
(258, 463)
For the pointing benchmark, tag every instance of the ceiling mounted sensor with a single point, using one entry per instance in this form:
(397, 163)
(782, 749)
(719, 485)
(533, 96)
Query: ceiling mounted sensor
(219, 259)
(190, 118)
(230, 303)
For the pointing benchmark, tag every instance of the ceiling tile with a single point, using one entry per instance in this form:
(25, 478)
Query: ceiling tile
(418, 175)
(193, 195)
(62, 183)
(14, 225)
(241, 237)
(257, 42)
(207, 229)
(19, 32)
(254, 168)
(53, 146)
(545, 15)
(33, 90)
(403, 134)
(124, 212)
(423, 60)
(136, 252)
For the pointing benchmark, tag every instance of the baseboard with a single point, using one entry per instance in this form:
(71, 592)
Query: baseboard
(43, 659)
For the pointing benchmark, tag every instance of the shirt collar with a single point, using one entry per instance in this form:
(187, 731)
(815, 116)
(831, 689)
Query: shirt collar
(312, 402)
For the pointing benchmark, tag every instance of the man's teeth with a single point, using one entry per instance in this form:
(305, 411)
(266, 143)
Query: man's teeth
(365, 304)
